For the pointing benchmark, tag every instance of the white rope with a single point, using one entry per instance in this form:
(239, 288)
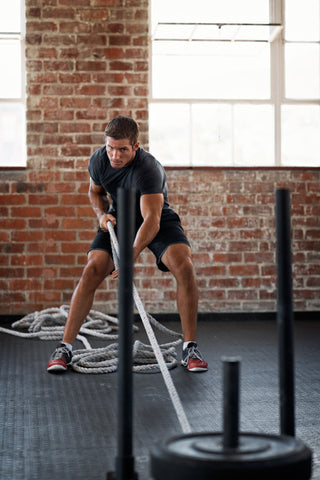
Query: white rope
(155, 346)
(49, 325)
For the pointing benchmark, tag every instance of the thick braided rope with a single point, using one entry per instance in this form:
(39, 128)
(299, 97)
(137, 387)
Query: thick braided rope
(49, 325)
(155, 346)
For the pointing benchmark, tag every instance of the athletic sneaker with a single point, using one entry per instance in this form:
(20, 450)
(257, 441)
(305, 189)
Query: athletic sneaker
(60, 359)
(192, 359)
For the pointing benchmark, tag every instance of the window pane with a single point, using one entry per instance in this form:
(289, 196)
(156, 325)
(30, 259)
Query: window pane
(10, 67)
(221, 135)
(212, 135)
(12, 135)
(169, 133)
(302, 20)
(211, 70)
(300, 135)
(10, 16)
(253, 135)
(302, 68)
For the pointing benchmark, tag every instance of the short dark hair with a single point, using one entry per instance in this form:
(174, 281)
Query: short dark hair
(123, 127)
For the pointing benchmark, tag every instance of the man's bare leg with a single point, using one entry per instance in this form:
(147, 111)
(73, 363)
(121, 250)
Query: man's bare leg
(99, 265)
(178, 259)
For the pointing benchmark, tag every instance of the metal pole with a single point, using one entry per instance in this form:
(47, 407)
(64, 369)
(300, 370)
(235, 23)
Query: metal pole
(125, 224)
(285, 313)
(231, 368)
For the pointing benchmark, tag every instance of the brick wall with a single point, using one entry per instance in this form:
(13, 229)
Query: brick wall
(87, 61)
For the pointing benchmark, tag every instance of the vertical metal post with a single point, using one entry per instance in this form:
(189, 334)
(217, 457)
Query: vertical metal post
(231, 368)
(285, 313)
(125, 228)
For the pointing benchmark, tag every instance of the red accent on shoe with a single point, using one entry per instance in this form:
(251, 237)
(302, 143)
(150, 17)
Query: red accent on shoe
(197, 365)
(58, 365)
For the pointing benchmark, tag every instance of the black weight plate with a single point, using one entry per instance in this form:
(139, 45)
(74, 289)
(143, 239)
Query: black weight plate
(201, 457)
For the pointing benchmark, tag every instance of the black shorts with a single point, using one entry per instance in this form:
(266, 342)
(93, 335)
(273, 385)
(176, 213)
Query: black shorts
(170, 233)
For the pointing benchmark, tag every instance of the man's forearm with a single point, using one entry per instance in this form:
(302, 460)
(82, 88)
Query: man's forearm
(145, 235)
(99, 203)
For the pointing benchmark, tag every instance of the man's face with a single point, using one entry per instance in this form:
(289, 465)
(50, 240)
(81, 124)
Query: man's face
(120, 152)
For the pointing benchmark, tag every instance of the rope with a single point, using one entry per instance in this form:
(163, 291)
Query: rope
(155, 346)
(49, 325)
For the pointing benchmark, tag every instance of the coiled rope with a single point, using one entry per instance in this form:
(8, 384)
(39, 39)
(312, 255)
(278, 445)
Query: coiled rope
(49, 325)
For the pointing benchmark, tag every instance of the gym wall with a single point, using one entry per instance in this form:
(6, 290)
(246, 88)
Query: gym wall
(87, 61)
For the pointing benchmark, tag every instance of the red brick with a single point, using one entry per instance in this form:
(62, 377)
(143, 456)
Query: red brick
(77, 223)
(12, 248)
(45, 272)
(120, 90)
(123, 40)
(41, 26)
(42, 223)
(51, 12)
(121, 65)
(25, 212)
(26, 260)
(75, 151)
(87, 236)
(141, 66)
(243, 270)
(74, 27)
(108, 77)
(23, 236)
(74, 247)
(43, 199)
(41, 247)
(74, 272)
(12, 297)
(25, 284)
(91, 113)
(55, 115)
(96, 15)
(12, 272)
(13, 199)
(4, 236)
(74, 199)
(4, 260)
(135, 53)
(90, 66)
(13, 224)
(85, 212)
(59, 259)
(53, 298)
(60, 235)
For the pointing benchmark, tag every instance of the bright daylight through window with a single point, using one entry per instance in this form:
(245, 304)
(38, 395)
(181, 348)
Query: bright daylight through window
(12, 85)
(235, 83)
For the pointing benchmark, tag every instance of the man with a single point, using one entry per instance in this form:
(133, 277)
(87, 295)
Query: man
(122, 163)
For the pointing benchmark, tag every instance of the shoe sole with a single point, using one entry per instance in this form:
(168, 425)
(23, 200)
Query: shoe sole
(57, 366)
(197, 369)
(194, 369)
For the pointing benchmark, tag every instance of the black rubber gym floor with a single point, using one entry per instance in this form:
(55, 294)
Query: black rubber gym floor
(63, 427)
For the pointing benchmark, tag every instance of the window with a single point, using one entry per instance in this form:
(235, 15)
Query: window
(12, 85)
(235, 83)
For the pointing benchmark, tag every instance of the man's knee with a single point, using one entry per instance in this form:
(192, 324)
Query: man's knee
(179, 260)
(98, 266)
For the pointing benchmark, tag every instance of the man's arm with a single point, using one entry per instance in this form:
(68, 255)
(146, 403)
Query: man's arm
(100, 205)
(151, 208)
